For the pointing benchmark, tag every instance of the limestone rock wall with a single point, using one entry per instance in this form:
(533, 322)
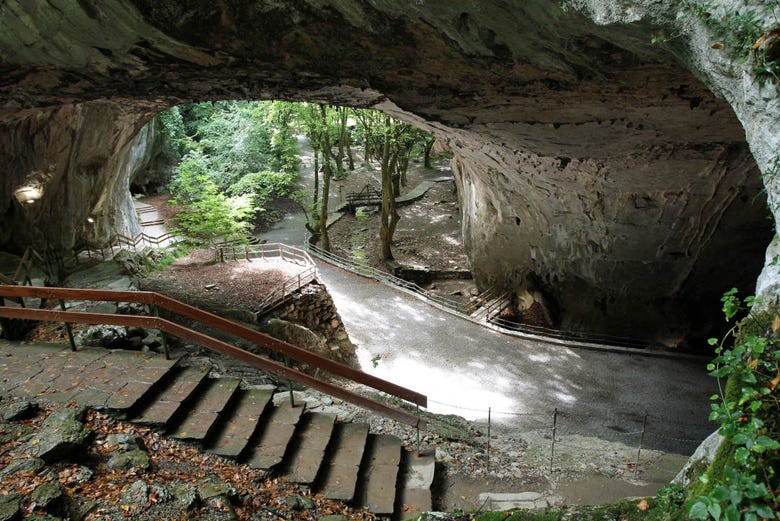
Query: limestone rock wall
(88, 153)
(614, 177)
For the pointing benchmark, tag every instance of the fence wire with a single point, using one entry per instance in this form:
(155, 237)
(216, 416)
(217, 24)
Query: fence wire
(625, 434)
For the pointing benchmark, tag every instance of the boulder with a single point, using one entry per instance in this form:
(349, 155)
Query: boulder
(102, 336)
(702, 458)
(19, 410)
(47, 493)
(62, 435)
(128, 460)
(22, 465)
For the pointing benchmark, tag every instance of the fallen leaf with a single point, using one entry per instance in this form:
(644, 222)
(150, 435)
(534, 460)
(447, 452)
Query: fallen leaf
(718, 46)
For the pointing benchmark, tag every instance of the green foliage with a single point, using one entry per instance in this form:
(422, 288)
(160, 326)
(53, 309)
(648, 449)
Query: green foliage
(670, 498)
(747, 412)
(745, 33)
(207, 215)
(169, 257)
(247, 150)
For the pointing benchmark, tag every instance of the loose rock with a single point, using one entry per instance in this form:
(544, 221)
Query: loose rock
(61, 436)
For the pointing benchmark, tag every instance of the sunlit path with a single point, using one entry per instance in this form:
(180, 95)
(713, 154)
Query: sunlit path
(466, 369)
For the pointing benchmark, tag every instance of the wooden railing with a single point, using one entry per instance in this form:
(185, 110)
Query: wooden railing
(367, 196)
(157, 301)
(491, 310)
(274, 251)
(120, 240)
(285, 289)
(386, 278)
(265, 251)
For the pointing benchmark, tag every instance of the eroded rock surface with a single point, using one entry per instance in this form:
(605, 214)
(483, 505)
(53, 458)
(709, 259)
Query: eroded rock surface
(597, 171)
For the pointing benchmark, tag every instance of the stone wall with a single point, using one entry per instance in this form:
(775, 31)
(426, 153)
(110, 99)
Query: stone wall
(313, 309)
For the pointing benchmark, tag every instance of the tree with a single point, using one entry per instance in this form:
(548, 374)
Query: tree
(389, 215)
(327, 174)
(367, 119)
(206, 215)
(247, 149)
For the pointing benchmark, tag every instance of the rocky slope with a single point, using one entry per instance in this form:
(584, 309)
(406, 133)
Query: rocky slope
(611, 180)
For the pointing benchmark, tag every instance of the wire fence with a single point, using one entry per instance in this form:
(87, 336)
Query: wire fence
(574, 438)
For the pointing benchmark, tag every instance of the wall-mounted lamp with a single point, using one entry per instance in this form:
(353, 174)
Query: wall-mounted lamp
(31, 190)
(28, 194)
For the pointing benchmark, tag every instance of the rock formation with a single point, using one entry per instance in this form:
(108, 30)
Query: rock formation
(616, 180)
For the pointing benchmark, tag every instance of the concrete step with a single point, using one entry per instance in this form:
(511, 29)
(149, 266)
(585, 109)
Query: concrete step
(417, 476)
(181, 387)
(341, 473)
(306, 458)
(206, 410)
(278, 429)
(379, 484)
(242, 422)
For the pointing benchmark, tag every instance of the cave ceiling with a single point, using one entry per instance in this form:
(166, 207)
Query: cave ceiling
(628, 175)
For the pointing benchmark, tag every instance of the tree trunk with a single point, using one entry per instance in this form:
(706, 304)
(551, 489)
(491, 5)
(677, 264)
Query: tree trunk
(316, 196)
(350, 159)
(428, 147)
(326, 175)
(342, 113)
(389, 216)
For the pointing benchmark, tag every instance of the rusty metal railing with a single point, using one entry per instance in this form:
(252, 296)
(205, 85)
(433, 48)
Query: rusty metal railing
(157, 301)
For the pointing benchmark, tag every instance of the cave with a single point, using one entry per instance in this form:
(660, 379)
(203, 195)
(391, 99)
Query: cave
(619, 180)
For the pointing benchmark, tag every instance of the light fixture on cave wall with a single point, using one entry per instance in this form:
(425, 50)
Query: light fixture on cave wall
(32, 189)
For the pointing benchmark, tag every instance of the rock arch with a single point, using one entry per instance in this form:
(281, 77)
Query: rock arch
(631, 169)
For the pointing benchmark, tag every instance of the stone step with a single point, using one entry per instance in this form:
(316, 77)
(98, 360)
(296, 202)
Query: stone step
(278, 430)
(379, 484)
(121, 381)
(417, 476)
(341, 472)
(181, 387)
(242, 423)
(205, 412)
(307, 455)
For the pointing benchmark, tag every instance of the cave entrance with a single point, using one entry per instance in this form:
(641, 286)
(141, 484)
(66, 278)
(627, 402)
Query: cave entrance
(263, 166)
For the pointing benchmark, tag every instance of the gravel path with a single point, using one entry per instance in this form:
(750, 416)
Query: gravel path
(466, 369)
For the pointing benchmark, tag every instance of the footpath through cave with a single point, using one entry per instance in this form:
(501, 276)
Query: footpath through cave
(471, 371)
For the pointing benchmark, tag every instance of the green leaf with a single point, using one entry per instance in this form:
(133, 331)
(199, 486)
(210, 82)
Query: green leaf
(764, 511)
(731, 513)
(698, 511)
(714, 510)
(720, 493)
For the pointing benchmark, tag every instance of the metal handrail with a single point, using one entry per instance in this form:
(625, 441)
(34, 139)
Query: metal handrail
(185, 310)
(459, 309)
(381, 276)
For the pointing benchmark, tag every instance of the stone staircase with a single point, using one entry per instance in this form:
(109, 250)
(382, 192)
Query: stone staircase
(264, 430)
(253, 425)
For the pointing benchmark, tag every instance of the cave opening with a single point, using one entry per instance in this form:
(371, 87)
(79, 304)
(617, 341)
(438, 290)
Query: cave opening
(592, 159)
